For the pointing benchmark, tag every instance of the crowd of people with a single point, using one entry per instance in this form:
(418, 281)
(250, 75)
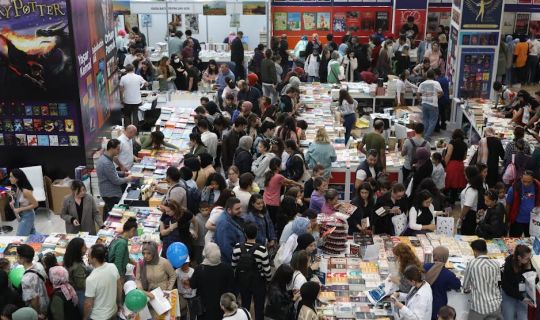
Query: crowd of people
(254, 209)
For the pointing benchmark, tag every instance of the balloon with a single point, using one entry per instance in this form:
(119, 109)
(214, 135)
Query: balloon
(15, 276)
(136, 300)
(177, 253)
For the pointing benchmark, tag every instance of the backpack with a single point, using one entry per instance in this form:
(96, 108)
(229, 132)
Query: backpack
(414, 147)
(109, 255)
(193, 196)
(70, 310)
(510, 172)
(19, 289)
(247, 270)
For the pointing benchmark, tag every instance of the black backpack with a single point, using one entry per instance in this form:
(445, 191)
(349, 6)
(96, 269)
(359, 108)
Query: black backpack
(246, 268)
(70, 310)
(193, 197)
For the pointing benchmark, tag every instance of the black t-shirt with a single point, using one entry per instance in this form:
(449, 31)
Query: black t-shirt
(409, 31)
(460, 150)
(286, 104)
(193, 73)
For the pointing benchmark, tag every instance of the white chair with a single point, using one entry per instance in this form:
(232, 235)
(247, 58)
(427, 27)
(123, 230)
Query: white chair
(35, 176)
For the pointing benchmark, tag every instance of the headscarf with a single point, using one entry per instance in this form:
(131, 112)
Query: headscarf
(153, 248)
(294, 81)
(211, 254)
(309, 292)
(59, 277)
(300, 225)
(440, 256)
(25, 313)
(422, 156)
(509, 39)
(303, 241)
(245, 143)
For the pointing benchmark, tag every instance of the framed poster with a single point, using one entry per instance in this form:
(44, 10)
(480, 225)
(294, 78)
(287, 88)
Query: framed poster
(254, 8)
(309, 19)
(381, 21)
(215, 8)
(353, 21)
(476, 69)
(323, 21)
(367, 21)
(192, 23)
(293, 21)
(280, 21)
(339, 24)
(432, 22)
(521, 25)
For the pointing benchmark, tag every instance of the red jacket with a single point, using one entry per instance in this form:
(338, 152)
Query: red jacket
(514, 207)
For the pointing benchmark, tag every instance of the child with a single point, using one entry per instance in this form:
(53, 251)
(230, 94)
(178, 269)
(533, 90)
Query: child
(334, 242)
(318, 171)
(438, 175)
(501, 192)
(183, 274)
(201, 218)
(446, 313)
(317, 196)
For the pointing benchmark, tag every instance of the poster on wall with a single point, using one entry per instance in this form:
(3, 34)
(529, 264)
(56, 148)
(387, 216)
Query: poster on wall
(323, 21)
(121, 7)
(280, 21)
(35, 52)
(534, 24)
(522, 23)
(215, 8)
(131, 21)
(419, 19)
(254, 8)
(367, 21)
(476, 68)
(339, 22)
(481, 14)
(451, 60)
(508, 22)
(382, 21)
(432, 22)
(456, 15)
(310, 20)
(353, 21)
(192, 23)
(96, 63)
(479, 38)
(444, 19)
(293, 21)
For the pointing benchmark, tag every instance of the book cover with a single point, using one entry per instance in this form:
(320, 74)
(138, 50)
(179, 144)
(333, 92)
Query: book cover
(18, 125)
(280, 21)
(43, 140)
(19, 109)
(323, 21)
(339, 22)
(59, 124)
(53, 140)
(28, 111)
(70, 125)
(9, 139)
(20, 139)
(32, 140)
(8, 125)
(293, 21)
(45, 110)
(367, 21)
(38, 125)
(382, 21)
(62, 110)
(27, 123)
(73, 141)
(63, 140)
(53, 109)
(36, 110)
(49, 125)
(1, 139)
(36, 238)
(309, 20)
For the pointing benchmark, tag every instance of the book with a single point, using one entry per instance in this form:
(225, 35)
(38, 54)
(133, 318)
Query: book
(43, 140)
(53, 109)
(27, 124)
(9, 139)
(45, 110)
(59, 124)
(73, 141)
(20, 139)
(49, 125)
(63, 140)
(32, 140)
(38, 125)
(53, 140)
(70, 125)
(18, 125)
(62, 110)
(28, 111)
(36, 110)
(8, 125)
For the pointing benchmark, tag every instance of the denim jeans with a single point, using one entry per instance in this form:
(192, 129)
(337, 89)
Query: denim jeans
(430, 115)
(26, 225)
(269, 90)
(313, 79)
(513, 308)
(348, 122)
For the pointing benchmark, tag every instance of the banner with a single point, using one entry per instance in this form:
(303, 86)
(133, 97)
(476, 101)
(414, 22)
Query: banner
(419, 16)
(95, 48)
(481, 14)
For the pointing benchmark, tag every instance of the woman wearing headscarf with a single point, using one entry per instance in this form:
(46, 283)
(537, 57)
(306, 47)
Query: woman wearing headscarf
(7, 294)
(306, 307)
(294, 81)
(64, 300)
(509, 43)
(422, 168)
(307, 242)
(440, 279)
(154, 271)
(297, 226)
(211, 279)
(242, 156)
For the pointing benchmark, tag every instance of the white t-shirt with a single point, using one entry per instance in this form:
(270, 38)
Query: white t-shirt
(297, 281)
(469, 197)
(240, 314)
(183, 278)
(243, 196)
(132, 84)
(214, 217)
(534, 47)
(362, 175)
(101, 285)
(126, 151)
(429, 90)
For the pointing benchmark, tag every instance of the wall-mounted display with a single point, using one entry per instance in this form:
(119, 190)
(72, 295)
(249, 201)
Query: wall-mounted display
(323, 21)
(521, 25)
(293, 21)
(310, 20)
(382, 21)
(215, 8)
(481, 14)
(353, 21)
(476, 69)
(254, 8)
(339, 22)
(479, 38)
(280, 21)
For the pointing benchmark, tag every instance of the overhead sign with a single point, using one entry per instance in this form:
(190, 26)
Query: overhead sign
(159, 7)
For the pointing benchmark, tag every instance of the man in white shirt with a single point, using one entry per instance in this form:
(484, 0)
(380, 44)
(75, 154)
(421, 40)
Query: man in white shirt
(209, 138)
(243, 190)
(130, 91)
(103, 287)
(532, 59)
(367, 168)
(126, 158)
(430, 91)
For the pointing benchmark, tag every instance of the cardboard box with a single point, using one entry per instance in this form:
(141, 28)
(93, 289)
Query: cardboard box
(59, 189)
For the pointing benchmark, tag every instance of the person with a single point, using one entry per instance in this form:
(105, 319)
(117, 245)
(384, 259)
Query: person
(382, 64)
(231, 141)
(317, 171)
(422, 214)
(258, 215)
(174, 225)
(323, 64)
(314, 44)
(230, 308)
(147, 71)
(210, 74)
(367, 168)
(273, 182)
(521, 198)
(312, 66)
(321, 152)
(110, 181)
(493, 224)
(347, 106)
(440, 279)
(295, 168)
(8, 296)
(424, 46)
(180, 70)
(156, 141)
(23, 202)
(422, 169)
(269, 78)
(211, 279)
(435, 56)
(77, 269)
(242, 156)
(375, 140)
(481, 278)
(34, 293)
(174, 192)
(118, 252)
(335, 74)
(251, 94)
(349, 63)
(79, 210)
(320, 185)
(418, 301)
(393, 202)
(130, 93)
(469, 200)
(154, 271)
(335, 242)
(135, 30)
(192, 76)
(510, 149)
(252, 267)
(196, 146)
(208, 138)
(409, 29)
(229, 229)
(64, 301)
(103, 287)
(405, 258)
(306, 307)
(165, 75)
(126, 157)
(490, 150)
(360, 220)
(214, 185)
(237, 55)
(175, 42)
(446, 313)
(420, 70)
(456, 152)
(521, 52)
(408, 151)
(244, 190)
(279, 302)
(430, 91)
(261, 164)
(513, 283)
(444, 100)
(196, 45)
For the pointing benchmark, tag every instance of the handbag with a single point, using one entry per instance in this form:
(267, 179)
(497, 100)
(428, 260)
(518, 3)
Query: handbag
(509, 174)
(400, 223)
(305, 176)
(196, 307)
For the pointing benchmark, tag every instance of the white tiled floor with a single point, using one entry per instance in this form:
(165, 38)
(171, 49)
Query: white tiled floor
(44, 223)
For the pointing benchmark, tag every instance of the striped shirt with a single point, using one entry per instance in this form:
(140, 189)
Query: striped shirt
(482, 277)
(261, 258)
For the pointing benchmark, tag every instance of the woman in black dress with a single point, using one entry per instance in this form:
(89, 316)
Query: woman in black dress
(364, 202)
(490, 150)
(181, 72)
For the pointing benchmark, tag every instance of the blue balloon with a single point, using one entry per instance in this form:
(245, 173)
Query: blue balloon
(177, 253)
